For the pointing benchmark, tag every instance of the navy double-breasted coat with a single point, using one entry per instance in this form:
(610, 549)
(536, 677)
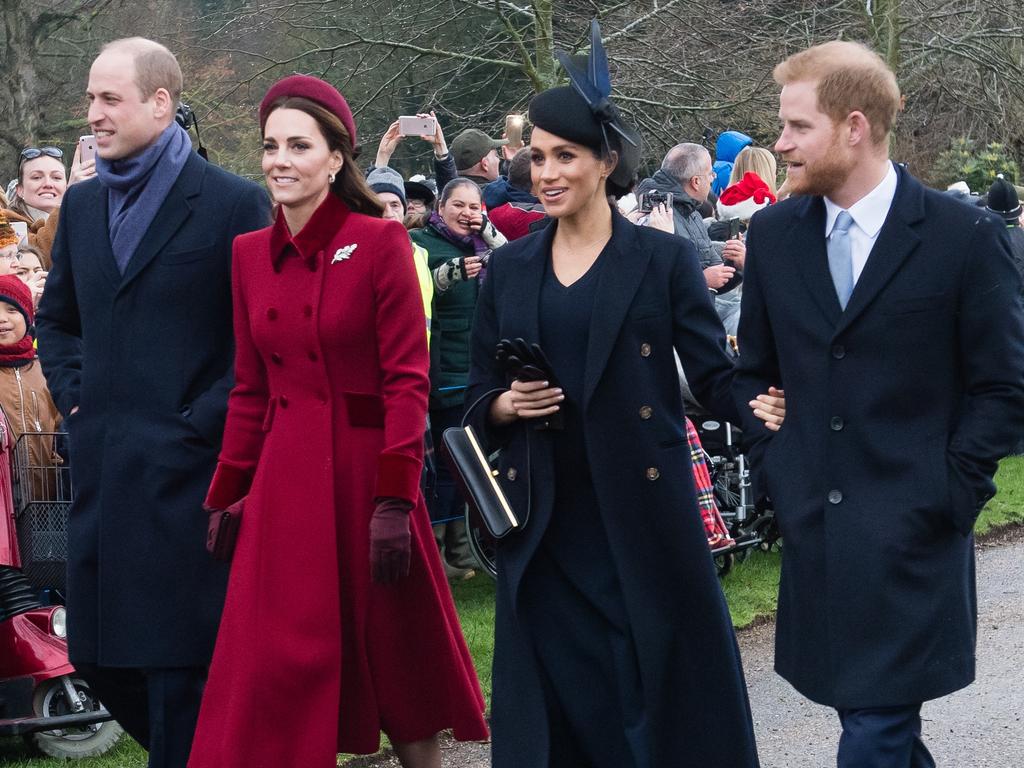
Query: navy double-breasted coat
(898, 409)
(651, 299)
(146, 356)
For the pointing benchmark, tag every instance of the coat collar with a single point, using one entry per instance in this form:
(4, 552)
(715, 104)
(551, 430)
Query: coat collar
(897, 239)
(172, 214)
(319, 231)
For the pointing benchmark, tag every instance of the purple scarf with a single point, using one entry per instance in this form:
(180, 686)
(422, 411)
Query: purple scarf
(473, 242)
(137, 186)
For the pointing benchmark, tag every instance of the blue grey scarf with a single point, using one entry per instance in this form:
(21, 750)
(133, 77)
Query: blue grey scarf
(137, 186)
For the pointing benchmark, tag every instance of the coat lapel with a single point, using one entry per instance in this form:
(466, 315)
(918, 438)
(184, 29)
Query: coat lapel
(172, 214)
(528, 281)
(620, 278)
(807, 243)
(896, 241)
(100, 209)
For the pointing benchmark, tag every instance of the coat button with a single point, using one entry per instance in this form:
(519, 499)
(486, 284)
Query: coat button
(512, 474)
(645, 350)
(276, 359)
(282, 401)
(307, 311)
(645, 412)
(838, 351)
(313, 356)
(271, 314)
(653, 473)
(835, 497)
(837, 423)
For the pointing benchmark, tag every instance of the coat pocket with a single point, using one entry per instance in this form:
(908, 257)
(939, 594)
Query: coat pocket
(364, 409)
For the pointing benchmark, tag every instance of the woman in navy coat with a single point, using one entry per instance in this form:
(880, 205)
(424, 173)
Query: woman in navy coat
(613, 645)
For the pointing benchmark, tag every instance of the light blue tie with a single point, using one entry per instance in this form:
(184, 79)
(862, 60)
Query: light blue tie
(840, 258)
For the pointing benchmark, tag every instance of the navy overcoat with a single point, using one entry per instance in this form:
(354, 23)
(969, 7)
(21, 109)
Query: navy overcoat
(147, 358)
(898, 409)
(651, 299)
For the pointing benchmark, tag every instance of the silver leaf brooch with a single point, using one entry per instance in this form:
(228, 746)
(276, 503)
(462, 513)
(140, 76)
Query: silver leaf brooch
(342, 254)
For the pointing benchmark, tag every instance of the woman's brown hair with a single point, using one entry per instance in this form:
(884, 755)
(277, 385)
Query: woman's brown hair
(350, 184)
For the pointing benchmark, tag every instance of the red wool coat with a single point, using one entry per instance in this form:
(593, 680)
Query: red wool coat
(328, 412)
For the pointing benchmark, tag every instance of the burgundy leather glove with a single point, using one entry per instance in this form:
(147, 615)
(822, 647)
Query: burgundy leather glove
(222, 530)
(390, 540)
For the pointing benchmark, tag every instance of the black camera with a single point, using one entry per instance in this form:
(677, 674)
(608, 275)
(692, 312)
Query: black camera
(648, 200)
(184, 116)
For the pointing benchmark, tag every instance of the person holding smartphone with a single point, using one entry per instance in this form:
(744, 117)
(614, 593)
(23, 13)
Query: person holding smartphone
(41, 184)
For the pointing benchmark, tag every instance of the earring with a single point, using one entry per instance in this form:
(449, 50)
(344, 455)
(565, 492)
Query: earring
(330, 177)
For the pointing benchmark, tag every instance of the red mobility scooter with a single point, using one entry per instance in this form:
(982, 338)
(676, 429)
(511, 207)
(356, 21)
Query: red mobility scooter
(41, 698)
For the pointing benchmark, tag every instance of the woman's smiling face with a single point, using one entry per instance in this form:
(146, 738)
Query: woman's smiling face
(566, 176)
(462, 205)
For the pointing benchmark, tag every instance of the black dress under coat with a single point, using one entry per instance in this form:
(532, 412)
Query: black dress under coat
(651, 299)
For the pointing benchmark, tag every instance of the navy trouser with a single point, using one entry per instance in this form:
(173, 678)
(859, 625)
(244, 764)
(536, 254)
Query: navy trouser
(882, 737)
(157, 707)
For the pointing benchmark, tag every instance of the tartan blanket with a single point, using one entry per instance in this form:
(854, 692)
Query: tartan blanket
(714, 525)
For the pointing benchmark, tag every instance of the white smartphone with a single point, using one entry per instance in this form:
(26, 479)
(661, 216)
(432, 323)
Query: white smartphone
(86, 148)
(411, 125)
(20, 229)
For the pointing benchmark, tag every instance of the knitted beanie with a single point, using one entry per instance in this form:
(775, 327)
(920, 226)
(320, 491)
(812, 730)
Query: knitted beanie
(7, 234)
(386, 179)
(18, 295)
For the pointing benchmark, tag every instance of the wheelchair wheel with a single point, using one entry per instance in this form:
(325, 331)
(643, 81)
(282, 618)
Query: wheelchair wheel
(481, 543)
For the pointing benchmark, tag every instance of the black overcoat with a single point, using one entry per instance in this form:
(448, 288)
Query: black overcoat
(898, 409)
(651, 299)
(147, 357)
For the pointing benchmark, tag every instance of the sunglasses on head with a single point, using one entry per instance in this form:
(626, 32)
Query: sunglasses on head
(31, 153)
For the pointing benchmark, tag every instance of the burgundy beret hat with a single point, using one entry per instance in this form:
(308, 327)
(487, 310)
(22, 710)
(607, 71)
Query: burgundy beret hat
(314, 89)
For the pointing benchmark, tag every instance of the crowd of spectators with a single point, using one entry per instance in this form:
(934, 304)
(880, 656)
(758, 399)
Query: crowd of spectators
(476, 195)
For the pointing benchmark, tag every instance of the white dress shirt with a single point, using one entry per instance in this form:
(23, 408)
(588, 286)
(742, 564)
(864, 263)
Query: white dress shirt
(868, 215)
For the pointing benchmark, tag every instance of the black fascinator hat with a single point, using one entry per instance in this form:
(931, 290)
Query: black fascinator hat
(583, 113)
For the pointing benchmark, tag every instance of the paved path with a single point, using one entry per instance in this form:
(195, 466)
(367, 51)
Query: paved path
(979, 727)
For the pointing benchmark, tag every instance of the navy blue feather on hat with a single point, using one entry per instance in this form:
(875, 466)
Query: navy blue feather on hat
(583, 112)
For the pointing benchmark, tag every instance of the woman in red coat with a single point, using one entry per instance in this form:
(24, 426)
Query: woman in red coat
(338, 623)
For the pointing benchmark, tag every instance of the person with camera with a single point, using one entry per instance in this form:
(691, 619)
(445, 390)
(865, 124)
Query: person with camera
(686, 173)
(134, 342)
(459, 239)
(444, 161)
(334, 571)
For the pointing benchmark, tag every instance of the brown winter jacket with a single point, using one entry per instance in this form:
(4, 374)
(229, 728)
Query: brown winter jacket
(29, 408)
(40, 232)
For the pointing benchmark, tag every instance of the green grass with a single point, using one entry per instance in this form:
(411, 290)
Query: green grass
(750, 589)
(1007, 508)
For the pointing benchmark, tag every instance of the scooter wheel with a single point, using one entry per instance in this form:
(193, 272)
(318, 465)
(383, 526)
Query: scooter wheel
(724, 563)
(50, 700)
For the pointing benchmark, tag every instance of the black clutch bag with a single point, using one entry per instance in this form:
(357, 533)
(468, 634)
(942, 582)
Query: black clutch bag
(478, 482)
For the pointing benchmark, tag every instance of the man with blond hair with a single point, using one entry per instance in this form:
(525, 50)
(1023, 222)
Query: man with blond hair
(136, 344)
(892, 315)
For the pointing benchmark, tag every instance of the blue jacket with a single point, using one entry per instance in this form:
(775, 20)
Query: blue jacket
(728, 146)
(500, 191)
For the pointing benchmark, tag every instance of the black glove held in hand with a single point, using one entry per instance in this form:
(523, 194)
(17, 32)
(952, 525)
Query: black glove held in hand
(390, 540)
